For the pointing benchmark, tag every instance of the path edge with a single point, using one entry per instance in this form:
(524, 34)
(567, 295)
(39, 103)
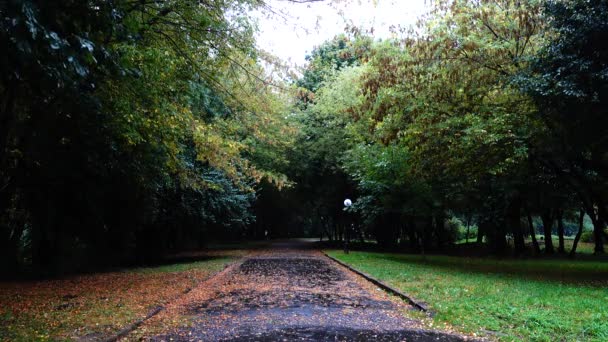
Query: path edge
(157, 309)
(415, 303)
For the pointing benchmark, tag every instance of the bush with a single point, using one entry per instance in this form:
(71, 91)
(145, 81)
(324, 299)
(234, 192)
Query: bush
(587, 237)
(452, 227)
(459, 231)
(472, 232)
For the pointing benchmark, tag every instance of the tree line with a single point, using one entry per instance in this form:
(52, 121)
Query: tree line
(130, 128)
(492, 112)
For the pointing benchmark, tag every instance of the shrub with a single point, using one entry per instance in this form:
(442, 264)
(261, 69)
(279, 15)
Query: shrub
(452, 227)
(458, 231)
(587, 236)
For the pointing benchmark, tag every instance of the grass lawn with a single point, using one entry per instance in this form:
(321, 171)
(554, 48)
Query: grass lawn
(582, 248)
(95, 305)
(539, 300)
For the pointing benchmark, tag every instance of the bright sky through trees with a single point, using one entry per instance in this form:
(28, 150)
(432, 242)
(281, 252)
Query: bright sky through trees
(297, 28)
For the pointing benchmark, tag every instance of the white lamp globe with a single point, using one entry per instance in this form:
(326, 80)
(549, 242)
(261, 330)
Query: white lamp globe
(348, 202)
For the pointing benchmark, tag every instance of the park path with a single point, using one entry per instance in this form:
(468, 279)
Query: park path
(291, 292)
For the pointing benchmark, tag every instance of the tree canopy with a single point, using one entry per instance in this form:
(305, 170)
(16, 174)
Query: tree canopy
(481, 113)
(129, 129)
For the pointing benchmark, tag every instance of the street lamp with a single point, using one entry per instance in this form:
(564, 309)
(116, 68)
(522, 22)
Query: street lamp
(347, 204)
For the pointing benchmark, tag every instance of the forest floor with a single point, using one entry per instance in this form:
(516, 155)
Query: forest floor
(96, 306)
(535, 299)
(289, 292)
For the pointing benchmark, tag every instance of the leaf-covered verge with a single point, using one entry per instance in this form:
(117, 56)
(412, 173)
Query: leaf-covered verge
(533, 300)
(101, 304)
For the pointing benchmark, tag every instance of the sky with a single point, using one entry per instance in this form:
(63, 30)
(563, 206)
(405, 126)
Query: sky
(296, 28)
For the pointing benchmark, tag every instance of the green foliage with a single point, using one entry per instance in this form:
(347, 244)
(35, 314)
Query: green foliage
(474, 113)
(323, 96)
(443, 98)
(460, 231)
(334, 54)
(130, 128)
(587, 236)
(567, 79)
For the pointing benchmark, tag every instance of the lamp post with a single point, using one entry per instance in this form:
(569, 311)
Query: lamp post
(347, 204)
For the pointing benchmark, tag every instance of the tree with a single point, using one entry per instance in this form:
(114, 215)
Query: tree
(121, 118)
(567, 79)
(445, 95)
(322, 94)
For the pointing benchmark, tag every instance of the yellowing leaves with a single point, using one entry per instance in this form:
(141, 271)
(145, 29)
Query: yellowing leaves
(101, 303)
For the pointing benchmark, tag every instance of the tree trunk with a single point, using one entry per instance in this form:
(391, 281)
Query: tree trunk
(43, 237)
(532, 232)
(602, 215)
(412, 236)
(480, 232)
(428, 234)
(513, 219)
(361, 235)
(500, 238)
(598, 229)
(598, 235)
(41, 251)
(560, 231)
(7, 118)
(439, 230)
(581, 218)
(9, 247)
(469, 218)
(422, 237)
(547, 228)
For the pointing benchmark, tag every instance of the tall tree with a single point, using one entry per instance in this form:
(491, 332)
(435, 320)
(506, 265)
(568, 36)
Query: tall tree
(444, 92)
(117, 115)
(568, 81)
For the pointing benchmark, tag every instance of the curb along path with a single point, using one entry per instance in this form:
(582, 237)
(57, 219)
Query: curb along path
(415, 303)
(293, 292)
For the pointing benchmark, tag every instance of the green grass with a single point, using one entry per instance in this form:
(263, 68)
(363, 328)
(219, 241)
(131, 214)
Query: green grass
(582, 248)
(537, 300)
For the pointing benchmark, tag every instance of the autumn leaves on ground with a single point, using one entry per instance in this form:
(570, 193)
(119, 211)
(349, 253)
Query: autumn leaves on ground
(275, 293)
(98, 305)
(272, 293)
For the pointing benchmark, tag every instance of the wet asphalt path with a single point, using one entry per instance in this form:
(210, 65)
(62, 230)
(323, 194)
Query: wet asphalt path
(291, 292)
